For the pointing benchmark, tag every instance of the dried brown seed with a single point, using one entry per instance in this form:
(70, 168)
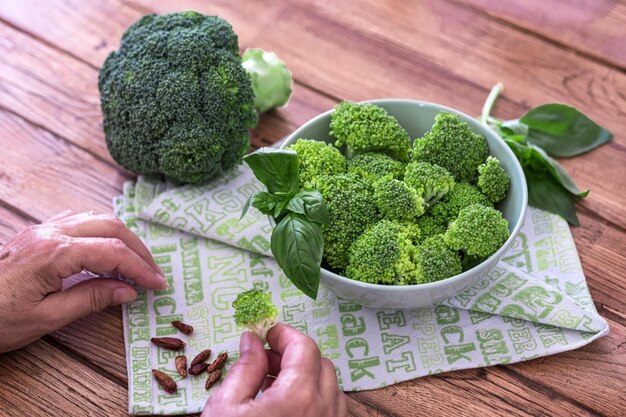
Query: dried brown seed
(167, 383)
(218, 362)
(181, 365)
(185, 328)
(171, 343)
(214, 376)
(198, 368)
(201, 357)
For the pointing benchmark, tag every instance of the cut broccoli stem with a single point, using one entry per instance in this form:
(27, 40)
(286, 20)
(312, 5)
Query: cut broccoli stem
(489, 103)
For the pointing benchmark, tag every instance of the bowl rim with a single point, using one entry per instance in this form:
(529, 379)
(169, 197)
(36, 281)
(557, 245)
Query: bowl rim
(453, 279)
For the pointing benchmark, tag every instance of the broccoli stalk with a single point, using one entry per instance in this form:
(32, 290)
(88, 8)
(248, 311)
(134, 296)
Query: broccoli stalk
(255, 311)
(271, 79)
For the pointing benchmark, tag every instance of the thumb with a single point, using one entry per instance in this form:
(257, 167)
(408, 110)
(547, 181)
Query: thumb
(63, 307)
(246, 376)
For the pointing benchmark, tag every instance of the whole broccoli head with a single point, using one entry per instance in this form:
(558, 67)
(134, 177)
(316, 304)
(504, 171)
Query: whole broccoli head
(493, 180)
(384, 254)
(366, 127)
(461, 196)
(453, 145)
(430, 226)
(271, 79)
(316, 159)
(175, 98)
(479, 231)
(351, 207)
(435, 261)
(375, 165)
(255, 311)
(397, 201)
(432, 181)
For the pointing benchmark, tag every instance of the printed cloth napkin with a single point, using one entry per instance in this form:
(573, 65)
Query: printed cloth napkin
(534, 303)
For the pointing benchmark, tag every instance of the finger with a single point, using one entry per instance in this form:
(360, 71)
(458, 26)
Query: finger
(273, 360)
(98, 254)
(301, 357)
(61, 308)
(58, 216)
(245, 378)
(329, 387)
(342, 407)
(267, 384)
(107, 225)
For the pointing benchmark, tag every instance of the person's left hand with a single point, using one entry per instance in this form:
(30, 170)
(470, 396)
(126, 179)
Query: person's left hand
(34, 264)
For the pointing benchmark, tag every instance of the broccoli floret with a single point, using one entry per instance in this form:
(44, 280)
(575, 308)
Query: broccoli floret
(175, 98)
(478, 231)
(366, 127)
(271, 79)
(461, 196)
(435, 261)
(397, 201)
(384, 254)
(432, 181)
(351, 207)
(453, 145)
(493, 180)
(430, 226)
(316, 159)
(255, 311)
(375, 165)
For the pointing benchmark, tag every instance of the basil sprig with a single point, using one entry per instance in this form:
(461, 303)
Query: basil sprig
(297, 242)
(542, 132)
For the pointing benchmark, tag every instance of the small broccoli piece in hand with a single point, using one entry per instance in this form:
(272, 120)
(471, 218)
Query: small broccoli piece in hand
(366, 127)
(316, 159)
(397, 201)
(351, 207)
(478, 231)
(432, 181)
(435, 261)
(430, 226)
(493, 180)
(375, 165)
(461, 196)
(255, 311)
(453, 145)
(384, 254)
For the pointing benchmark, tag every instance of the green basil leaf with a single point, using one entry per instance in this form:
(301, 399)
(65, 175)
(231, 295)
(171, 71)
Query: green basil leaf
(563, 131)
(277, 169)
(544, 192)
(541, 158)
(297, 245)
(311, 204)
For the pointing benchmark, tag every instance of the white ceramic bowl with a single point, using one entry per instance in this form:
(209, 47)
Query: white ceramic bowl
(417, 117)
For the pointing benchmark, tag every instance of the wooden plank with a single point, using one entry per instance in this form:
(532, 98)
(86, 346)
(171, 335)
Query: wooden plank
(44, 175)
(40, 380)
(593, 27)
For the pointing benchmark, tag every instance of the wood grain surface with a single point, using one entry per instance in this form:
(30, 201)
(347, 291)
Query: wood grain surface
(53, 157)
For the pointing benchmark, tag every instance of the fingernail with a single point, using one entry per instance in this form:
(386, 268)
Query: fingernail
(245, 342)
(123, 295)
(164, 283)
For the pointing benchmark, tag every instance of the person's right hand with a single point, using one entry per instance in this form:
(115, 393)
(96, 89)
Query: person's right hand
(305, 383)
(34, 264)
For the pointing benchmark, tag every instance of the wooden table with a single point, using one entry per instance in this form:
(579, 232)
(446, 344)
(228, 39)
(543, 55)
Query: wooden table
(53, 157)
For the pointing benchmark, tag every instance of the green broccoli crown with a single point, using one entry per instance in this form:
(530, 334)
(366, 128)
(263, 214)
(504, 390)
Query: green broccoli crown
(255, 311)
(430, 226)
(478, 231)
(493, 180)
(461, 196)
(384, 254)
(175, 98)
(435, 261)
(271, 79)
(432, 181)
(351, 208)
(367, 127)
(397, 201)
(453, 145)
(375, 165)
(316, 159)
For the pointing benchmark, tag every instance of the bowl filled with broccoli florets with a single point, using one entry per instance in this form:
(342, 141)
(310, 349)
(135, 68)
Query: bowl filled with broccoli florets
(423, 200)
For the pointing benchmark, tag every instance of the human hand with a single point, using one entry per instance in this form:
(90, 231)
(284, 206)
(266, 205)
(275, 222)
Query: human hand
(34, 264)
(305, 383)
